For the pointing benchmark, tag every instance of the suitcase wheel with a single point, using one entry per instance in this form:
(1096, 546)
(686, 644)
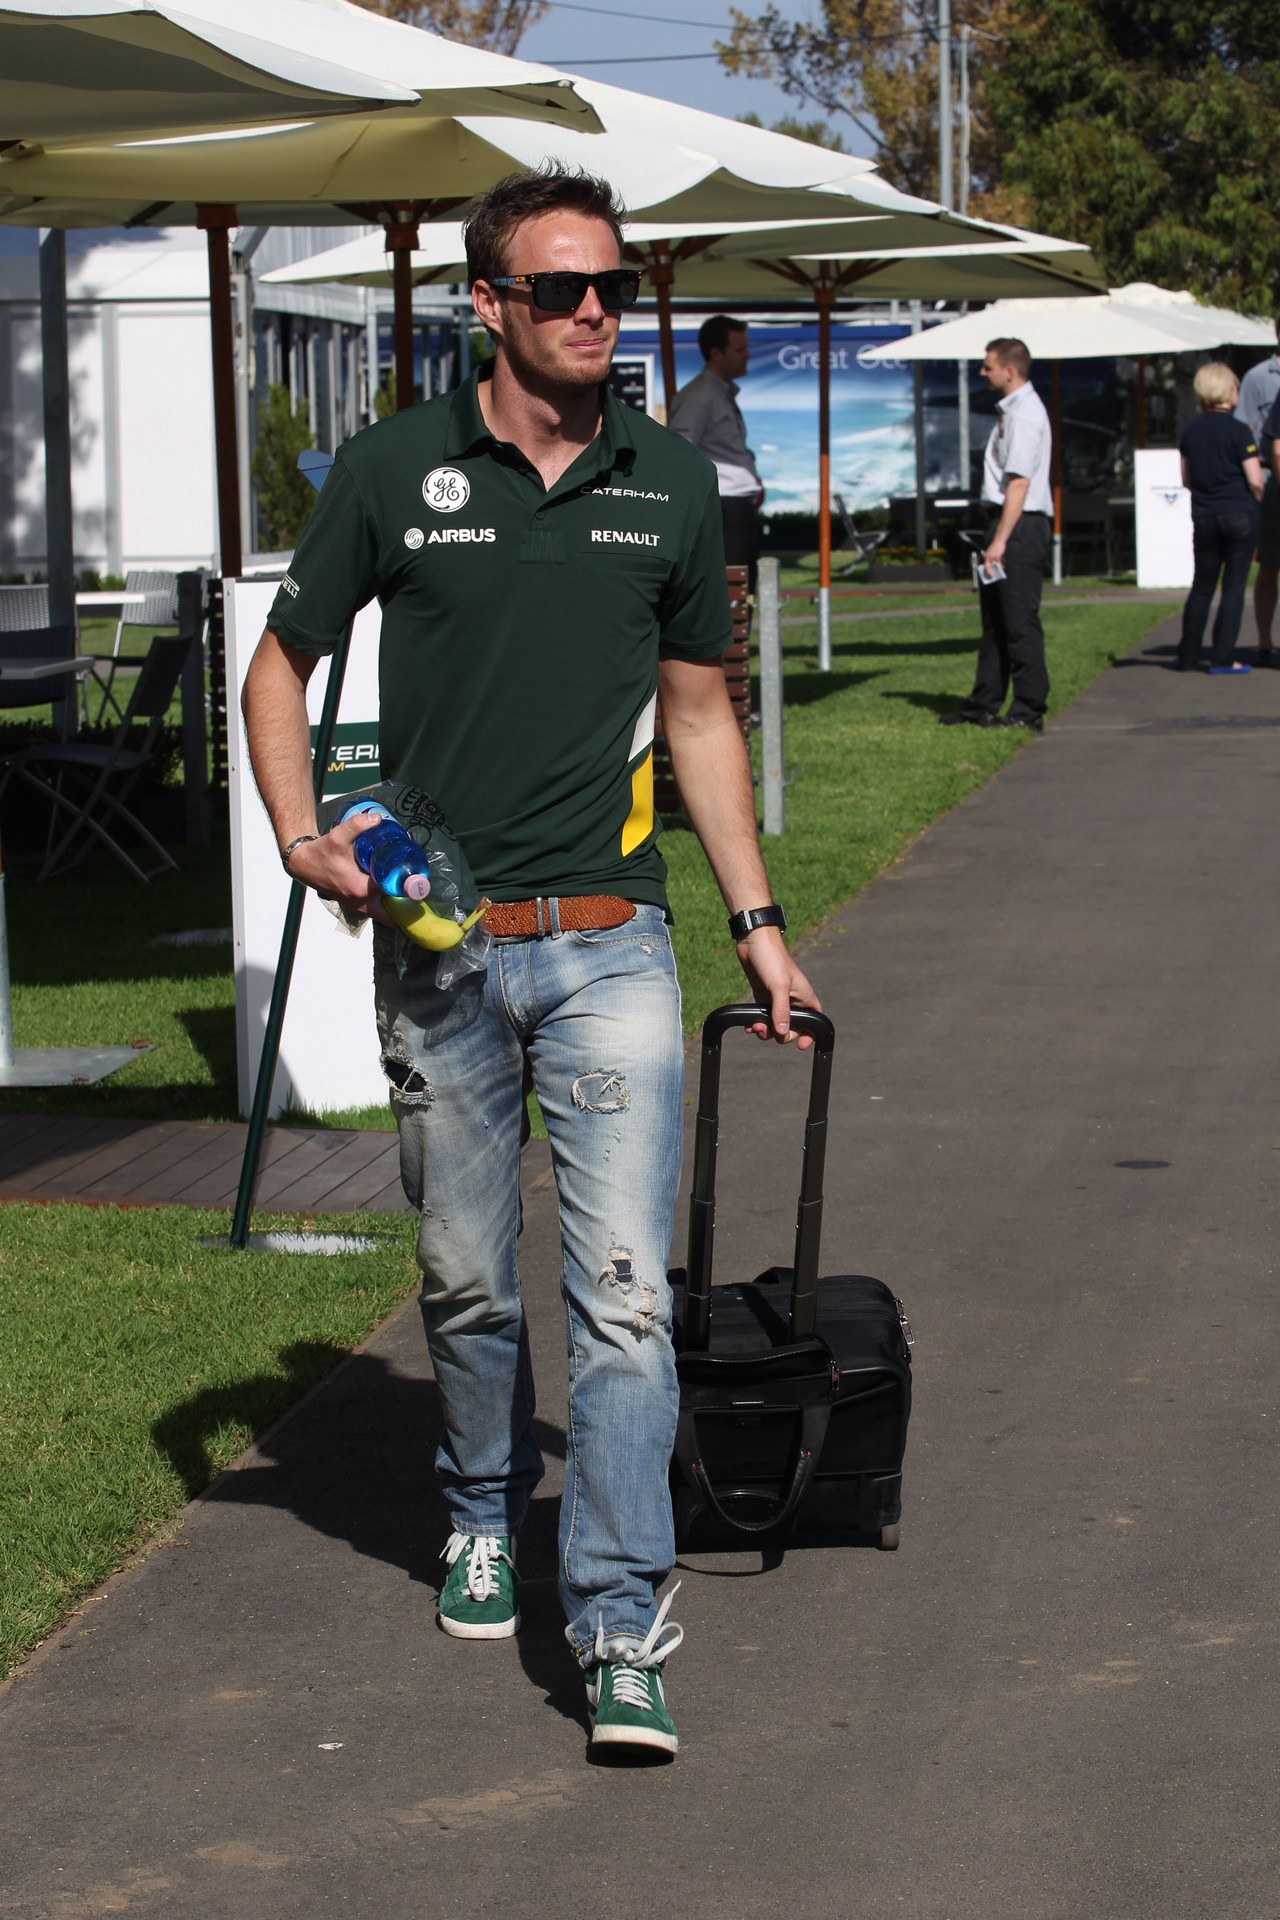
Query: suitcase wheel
(889, 1538)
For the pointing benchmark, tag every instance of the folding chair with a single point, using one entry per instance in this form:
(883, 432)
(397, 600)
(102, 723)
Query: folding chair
(158, 609)
(863, 544)
(103, 776)
(22, 609)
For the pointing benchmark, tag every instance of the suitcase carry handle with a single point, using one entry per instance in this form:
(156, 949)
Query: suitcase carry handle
(804, 1288)
(813, 1431)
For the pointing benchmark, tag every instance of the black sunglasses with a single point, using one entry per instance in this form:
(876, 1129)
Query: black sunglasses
(565, 292)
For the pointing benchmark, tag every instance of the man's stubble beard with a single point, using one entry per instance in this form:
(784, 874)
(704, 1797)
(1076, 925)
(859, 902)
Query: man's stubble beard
(553, 380)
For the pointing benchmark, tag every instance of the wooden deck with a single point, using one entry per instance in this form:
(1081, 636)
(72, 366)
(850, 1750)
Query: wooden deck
(193, 1164)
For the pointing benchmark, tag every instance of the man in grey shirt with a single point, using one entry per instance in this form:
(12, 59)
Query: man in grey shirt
(706, 413)
(1016, 485)
(1259, 391)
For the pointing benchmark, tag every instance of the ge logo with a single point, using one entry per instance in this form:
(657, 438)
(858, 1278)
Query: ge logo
(445, 489)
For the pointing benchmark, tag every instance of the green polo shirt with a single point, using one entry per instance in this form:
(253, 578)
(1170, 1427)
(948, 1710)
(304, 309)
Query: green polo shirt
(521, 629)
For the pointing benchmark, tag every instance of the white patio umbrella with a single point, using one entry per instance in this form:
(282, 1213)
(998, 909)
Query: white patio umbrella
(437, 80)
(77, 70)
(1128, 322)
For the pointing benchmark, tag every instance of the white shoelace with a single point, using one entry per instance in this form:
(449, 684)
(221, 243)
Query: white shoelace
(482, 1559)
(631, 1665)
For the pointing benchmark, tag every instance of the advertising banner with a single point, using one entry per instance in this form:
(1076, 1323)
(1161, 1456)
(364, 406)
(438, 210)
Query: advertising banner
(329, 1053)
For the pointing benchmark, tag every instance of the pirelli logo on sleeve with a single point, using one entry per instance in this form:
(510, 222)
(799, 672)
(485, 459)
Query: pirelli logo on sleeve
(611, 537)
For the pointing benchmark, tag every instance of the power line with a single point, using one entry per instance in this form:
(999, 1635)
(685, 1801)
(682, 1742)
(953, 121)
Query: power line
(656, 19)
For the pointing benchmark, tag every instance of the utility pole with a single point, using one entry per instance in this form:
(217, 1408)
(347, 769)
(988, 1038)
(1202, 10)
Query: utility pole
(946, 189)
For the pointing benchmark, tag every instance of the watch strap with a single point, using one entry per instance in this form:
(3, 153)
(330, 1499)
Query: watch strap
(741, 924)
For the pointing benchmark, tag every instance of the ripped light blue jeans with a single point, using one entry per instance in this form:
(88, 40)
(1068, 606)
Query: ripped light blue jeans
(594, 1020)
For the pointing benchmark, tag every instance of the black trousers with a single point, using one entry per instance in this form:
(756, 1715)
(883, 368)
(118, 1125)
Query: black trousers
(1011, 651)
(741, 519)
(1222, 543)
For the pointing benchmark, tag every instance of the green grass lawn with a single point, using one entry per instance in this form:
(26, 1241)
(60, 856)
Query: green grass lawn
(132, 1364)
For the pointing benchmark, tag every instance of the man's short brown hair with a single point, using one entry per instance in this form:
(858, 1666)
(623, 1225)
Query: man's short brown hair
(493, 217)
(1012, 353)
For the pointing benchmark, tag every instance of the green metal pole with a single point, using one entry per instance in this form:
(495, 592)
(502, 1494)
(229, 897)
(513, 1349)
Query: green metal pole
(284, 966)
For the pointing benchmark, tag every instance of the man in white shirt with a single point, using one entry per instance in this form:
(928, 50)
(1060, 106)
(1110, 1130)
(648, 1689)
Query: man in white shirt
(1016, 481)
(1259, 392)
(706, 413)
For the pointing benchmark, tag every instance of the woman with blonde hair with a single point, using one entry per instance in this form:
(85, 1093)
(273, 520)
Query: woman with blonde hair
(1220, 468)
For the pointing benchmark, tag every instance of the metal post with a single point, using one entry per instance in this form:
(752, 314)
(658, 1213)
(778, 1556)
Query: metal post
(284, 966)
(56, 384)
(6, 1017)
(825, 296)
(1057, 473)
(769, 622)
(945, 128)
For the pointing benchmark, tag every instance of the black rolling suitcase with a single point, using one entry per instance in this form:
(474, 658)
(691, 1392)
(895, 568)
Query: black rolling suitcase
(795, 1391)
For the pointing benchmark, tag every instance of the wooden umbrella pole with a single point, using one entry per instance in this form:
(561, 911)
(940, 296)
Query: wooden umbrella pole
(402, 238)
(661, 276)
(217, 222)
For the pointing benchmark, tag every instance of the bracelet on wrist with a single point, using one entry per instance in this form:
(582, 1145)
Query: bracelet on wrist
(286, 853)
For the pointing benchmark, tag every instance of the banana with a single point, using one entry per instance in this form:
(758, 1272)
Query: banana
(425, 927)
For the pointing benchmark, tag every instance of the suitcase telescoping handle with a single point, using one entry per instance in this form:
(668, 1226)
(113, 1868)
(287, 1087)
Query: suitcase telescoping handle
(702, 1204)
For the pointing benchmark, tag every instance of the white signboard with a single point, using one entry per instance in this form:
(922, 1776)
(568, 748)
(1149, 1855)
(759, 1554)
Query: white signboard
(329, 1055)
(1162, 508)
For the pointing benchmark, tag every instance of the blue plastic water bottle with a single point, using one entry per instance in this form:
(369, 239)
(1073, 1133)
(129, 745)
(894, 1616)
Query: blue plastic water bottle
(389, 855)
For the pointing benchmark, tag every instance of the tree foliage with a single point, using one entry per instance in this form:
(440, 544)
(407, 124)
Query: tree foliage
(496, 24)
(285, 496)
(1146, 129)
(1150, 130)
(876, 63)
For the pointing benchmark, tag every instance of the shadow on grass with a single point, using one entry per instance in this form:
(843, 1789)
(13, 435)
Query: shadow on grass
(353, 1461)
(212, 1032)
(808, 690)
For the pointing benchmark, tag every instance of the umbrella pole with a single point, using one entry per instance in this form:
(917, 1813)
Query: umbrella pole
(825, 296)
(217, 222)
(402, 238)
(1057, 473)
(1142, 400)
(662, 278)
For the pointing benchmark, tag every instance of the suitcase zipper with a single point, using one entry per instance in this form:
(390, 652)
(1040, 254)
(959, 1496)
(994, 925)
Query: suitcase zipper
(907, 1334)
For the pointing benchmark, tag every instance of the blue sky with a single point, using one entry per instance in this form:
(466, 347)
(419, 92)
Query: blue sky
(662, 47)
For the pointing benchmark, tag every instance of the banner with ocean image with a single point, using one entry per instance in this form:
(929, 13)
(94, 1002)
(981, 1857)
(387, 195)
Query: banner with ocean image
(873, 439)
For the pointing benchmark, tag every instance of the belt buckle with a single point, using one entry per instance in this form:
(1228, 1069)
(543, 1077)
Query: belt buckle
(540, 919)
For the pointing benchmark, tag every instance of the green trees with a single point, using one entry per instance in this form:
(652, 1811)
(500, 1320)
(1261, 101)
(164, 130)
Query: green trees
(496, 24)
(1147, 129)
(1150, 130)
(284, 496)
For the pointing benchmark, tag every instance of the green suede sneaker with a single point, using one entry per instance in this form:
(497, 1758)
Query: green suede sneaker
(478, 1599)
(624, 1689)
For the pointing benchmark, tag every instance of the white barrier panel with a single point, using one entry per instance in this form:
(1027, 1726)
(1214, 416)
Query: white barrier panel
(1162, 509)
(329, 1054)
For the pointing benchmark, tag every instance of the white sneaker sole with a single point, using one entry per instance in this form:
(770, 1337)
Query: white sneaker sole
(484, 1630)
(634, 1737)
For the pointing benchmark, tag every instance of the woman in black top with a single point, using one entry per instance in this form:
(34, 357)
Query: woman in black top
(1220, 467)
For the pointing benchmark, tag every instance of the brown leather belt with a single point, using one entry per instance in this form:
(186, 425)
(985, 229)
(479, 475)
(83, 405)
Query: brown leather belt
(573, 913)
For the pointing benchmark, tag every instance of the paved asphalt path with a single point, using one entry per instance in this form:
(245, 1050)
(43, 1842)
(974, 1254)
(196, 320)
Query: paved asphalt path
(1054, 1132)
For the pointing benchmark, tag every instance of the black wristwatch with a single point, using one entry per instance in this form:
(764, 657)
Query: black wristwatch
(741, 924)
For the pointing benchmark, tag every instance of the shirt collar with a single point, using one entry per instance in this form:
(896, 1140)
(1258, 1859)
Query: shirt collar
(613, 446)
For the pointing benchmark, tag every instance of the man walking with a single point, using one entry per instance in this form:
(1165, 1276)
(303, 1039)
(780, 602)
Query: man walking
(1016, 481)
(706, 413)
(547, 562)
(1259, 392)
